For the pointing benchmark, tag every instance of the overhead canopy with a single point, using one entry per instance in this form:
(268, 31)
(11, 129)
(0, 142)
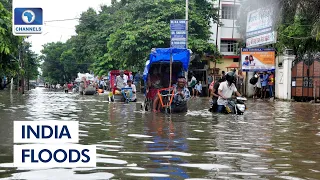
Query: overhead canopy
(164, 55)
(233, 66)
(178, 55)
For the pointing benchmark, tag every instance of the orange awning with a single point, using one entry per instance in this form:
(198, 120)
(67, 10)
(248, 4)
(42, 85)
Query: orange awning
(233, 66)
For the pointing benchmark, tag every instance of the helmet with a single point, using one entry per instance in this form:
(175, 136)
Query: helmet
(230, 77)
(222, 79)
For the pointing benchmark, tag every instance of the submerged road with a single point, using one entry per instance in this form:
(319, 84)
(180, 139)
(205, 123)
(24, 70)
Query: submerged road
(278, 140)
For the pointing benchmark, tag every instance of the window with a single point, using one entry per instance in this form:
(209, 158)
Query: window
(228, 46)
(229, 12)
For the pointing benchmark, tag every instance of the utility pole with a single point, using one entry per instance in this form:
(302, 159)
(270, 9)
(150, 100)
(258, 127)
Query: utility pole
(217, 32)
(28, 77)
(19, 63)
(187, 31)
(187, 17)
(22, 67)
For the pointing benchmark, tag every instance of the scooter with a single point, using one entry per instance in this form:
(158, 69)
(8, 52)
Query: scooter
(236, 106)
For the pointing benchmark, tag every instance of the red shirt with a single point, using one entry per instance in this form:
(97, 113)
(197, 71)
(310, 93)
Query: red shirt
(271, 80)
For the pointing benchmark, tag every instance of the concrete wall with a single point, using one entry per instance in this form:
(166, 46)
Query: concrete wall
(225, 63)
(249, 88)
(283, 77)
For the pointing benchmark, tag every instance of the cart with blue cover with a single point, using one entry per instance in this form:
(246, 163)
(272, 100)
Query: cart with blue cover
(164, 66)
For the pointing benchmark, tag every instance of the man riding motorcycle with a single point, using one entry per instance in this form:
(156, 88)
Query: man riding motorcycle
(226, 90)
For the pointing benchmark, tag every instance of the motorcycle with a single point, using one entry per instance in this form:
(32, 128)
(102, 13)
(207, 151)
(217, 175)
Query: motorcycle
(236, 106)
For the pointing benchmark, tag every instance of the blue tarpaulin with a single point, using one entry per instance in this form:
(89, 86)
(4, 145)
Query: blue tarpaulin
(163, 55)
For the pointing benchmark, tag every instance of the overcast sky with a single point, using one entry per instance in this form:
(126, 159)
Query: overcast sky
(58, 10)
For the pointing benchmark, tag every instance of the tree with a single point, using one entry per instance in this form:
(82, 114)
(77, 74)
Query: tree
(121, 36)
(31, 63)
(60, 63)
(8, 43)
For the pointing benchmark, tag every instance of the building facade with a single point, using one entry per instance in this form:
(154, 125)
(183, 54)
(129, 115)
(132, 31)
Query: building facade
(226, 36)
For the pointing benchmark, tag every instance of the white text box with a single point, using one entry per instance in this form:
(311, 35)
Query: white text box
(40, 131)
(50, 156)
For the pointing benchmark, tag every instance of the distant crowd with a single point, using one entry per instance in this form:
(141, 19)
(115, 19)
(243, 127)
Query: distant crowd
(263, 82)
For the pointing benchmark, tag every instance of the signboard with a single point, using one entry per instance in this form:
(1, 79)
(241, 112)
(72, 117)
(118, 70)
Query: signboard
(259, 21)
(258, 41)
(178, 28)
(258, 59)
(179, 44)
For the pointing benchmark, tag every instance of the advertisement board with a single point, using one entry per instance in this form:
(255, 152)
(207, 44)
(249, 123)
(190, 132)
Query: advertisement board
(259, 21)
(258, 59)
(264, 39)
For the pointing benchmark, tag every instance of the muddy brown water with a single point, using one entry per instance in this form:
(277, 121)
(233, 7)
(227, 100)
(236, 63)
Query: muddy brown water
(279, 140)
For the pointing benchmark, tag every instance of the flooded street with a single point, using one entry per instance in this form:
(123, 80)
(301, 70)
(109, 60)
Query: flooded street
(278, 140)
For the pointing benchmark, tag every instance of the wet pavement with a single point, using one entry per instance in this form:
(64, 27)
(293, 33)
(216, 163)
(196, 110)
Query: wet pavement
(279, 140)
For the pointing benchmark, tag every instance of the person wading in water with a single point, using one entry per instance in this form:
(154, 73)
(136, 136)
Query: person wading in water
(181, 97)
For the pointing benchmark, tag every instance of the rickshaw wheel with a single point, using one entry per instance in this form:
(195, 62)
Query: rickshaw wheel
(147, 105)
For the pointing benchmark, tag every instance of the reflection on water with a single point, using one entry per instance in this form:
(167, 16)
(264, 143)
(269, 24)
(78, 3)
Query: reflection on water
(271, 141)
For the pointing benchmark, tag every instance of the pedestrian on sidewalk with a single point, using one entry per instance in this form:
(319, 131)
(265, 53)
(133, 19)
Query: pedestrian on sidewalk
(240, 79)
(193, 83)
(257, 86)
(271, 84)
(264, 84)
(198, 89)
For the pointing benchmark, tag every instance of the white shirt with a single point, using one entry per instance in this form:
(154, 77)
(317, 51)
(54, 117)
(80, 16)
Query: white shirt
(258, 84)
(101, 83)
(227, 91)
(198, 87)
(134, 89)
(125, 78)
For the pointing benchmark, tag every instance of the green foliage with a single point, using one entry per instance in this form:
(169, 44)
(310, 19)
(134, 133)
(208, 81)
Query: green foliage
(121, 36)
(60, 63)
(8, 43)
(31, 62)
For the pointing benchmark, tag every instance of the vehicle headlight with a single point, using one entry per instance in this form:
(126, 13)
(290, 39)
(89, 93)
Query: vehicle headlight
(241, 107)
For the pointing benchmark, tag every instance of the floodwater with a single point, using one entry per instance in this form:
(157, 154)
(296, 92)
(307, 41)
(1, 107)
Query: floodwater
(279, 140)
